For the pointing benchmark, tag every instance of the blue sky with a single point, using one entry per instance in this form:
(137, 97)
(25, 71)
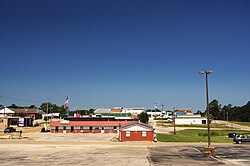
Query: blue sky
(124, 53)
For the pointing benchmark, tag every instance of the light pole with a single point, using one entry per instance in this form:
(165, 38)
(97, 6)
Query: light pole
(207, 101)
(174, 115)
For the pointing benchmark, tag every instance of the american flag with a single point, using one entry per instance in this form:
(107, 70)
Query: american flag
(66, 102)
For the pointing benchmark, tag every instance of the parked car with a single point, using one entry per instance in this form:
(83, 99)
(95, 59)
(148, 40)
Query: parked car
(9, 130)
(231, 135)
(239, 139)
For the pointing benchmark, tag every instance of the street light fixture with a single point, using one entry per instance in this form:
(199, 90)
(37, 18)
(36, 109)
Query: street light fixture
(208, 150)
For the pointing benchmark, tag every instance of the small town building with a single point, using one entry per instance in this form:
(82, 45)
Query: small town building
(22, 112)
(133, 111)
(154, 113)
(66, 126)
(190, 119)
(15, 121)
(183, 111)
(119, 112)
(136, 131)
(51, 116)
(18, 116)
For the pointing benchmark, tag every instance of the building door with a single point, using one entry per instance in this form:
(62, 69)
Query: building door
(102, 131)
(56, 129)
(64, 130)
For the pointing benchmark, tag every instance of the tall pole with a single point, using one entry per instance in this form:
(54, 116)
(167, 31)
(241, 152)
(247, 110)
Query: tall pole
(155, 110)
(207, 102)
(174, 119)
(208, 119)
(47, 111)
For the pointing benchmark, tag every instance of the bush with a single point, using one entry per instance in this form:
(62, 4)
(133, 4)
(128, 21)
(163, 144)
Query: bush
(43, 130)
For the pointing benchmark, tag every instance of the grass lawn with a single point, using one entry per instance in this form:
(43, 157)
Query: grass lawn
(192, 135)
(243, 123)
(213, 125)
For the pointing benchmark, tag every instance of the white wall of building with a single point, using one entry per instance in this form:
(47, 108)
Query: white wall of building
(133, 111)
(190, 120)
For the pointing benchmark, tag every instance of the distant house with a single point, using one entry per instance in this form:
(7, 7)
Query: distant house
(136, 131)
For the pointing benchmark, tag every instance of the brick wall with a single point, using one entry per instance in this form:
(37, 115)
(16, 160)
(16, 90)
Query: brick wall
(137, 136)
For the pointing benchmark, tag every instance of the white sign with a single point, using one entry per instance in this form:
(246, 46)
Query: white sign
(21, 122)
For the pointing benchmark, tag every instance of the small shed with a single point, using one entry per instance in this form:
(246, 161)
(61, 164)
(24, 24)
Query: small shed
(136, 131)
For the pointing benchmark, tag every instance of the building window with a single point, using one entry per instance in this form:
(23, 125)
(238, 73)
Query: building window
(204, 122)
(14, 122)
(127, 133)
(144, 133)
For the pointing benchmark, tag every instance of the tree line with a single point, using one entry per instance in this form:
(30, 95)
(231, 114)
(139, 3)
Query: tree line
(53, 108)
(229, 112)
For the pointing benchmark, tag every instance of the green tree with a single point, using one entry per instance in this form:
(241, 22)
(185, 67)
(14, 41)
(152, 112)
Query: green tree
(143, 117)
(214, 109)
(52, 108)
(32, 107)
(225, 111)
(62, 111)
(13, 106)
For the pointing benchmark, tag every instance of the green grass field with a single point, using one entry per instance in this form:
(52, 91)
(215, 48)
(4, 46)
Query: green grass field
(192, 135)
(243, 123)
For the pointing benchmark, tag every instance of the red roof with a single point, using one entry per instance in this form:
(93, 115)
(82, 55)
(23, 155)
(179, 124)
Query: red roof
(91, 123)
(135, 124)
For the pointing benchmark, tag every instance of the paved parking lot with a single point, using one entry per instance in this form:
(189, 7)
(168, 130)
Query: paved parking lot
(192, 155)
(72, 137)
(96, 149)
(32, 152)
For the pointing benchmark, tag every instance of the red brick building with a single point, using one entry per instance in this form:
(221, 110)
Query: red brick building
(67, 126)
(136, 131)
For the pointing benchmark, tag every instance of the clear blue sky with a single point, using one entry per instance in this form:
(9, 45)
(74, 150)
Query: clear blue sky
(124, 53)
